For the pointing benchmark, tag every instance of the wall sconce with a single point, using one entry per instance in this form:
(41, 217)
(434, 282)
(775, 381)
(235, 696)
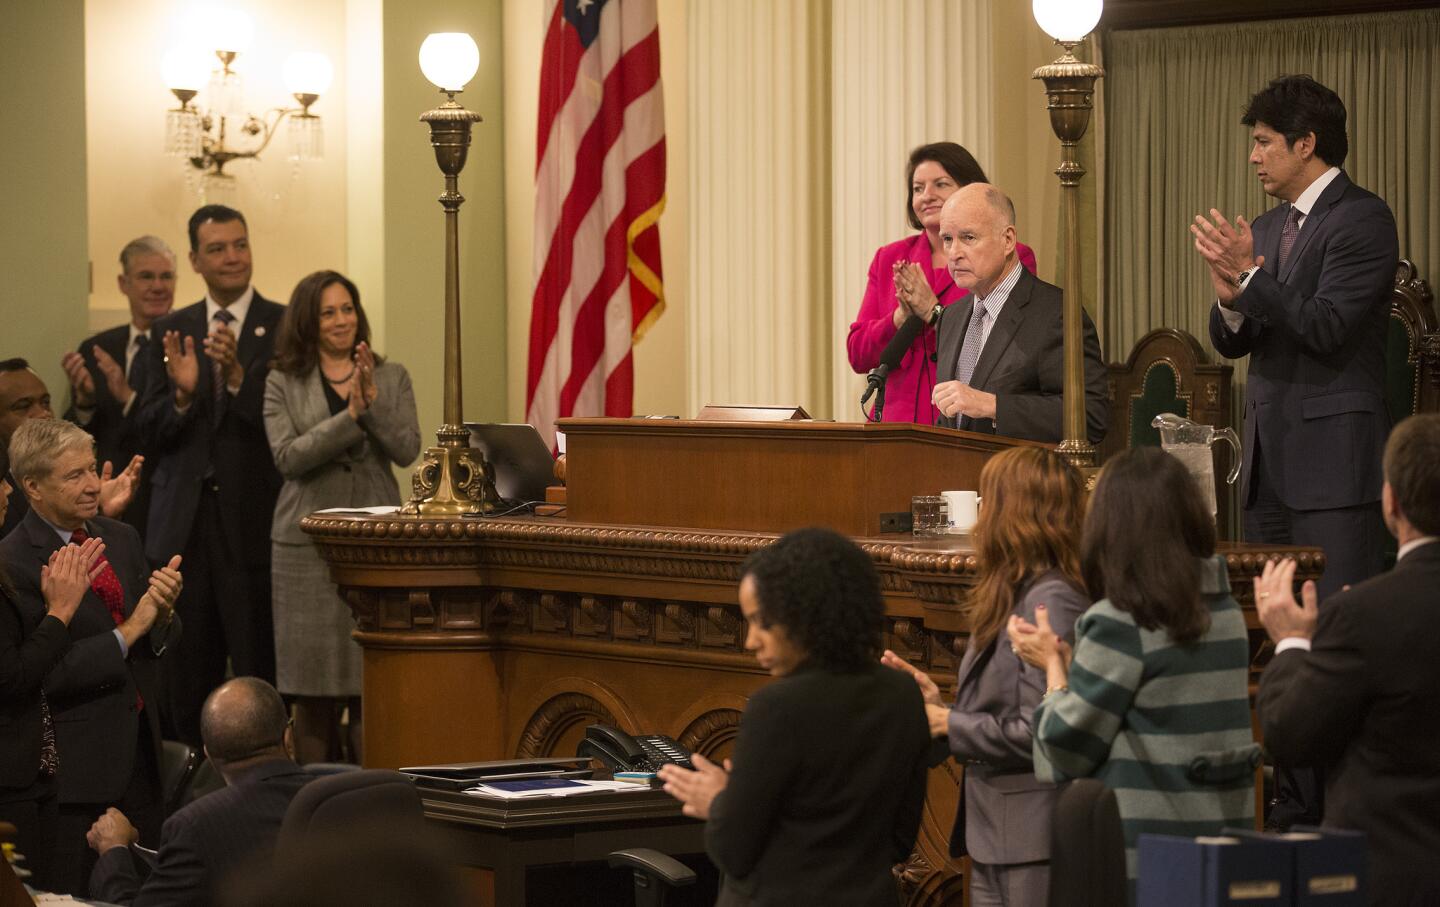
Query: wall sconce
(1070, 91)
(207, 136)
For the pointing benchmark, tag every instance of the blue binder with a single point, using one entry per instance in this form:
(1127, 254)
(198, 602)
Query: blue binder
(1214, 872)
(1330, 867)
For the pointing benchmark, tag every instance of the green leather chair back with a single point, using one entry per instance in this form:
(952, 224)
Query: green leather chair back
(1159, 393)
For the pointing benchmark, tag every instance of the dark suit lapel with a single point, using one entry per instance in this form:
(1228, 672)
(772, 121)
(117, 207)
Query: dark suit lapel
(1321, 210)
(1005, 327)
(247, 342)
(1269, 245)
(952, 336)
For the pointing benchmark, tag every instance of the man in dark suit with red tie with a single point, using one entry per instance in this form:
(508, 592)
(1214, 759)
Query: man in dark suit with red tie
(213, 491)
(107, 372)
(101, 693)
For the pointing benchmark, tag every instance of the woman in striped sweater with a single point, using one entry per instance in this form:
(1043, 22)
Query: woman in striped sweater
(1155, 701)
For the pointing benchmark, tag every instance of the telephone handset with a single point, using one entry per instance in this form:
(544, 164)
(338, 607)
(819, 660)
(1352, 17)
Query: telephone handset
(623, 753)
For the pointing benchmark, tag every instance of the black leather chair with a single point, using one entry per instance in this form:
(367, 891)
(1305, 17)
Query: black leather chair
(654, 874)
(336, 802)
(1087, 848)
(178, 764)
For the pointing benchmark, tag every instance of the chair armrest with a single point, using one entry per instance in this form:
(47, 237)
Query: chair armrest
(654, 863)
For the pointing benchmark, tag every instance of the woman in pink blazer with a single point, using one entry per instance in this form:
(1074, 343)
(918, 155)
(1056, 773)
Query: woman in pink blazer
(917, 262)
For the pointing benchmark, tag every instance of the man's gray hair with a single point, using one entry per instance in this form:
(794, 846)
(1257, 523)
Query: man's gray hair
(144, 245)
(39, 442)
(1000, 202)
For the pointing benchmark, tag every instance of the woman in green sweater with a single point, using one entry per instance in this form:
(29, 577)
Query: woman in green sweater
(1155, 701)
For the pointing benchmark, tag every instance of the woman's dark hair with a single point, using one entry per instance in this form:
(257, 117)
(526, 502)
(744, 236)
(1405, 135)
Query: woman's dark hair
(1296, 106)
(824, 591)
(296, 351)
(1145, 532)
(953, 159)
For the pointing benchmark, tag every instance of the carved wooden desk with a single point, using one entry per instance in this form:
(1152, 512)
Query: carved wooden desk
(498, 638)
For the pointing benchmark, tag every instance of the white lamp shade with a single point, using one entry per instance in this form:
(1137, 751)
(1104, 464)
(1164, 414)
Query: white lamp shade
(308, 73)
(449, 59)
(1067, 20)
(186, 68)
(229, 29)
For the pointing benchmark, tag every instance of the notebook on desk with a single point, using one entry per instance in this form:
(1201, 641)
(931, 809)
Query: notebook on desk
(463, 775)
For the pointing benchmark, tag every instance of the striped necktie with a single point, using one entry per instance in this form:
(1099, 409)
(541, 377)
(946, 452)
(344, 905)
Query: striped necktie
(974, 340)
(217, 373)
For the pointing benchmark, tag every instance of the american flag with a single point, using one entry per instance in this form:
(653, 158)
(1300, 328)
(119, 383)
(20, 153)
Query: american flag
(599, 191)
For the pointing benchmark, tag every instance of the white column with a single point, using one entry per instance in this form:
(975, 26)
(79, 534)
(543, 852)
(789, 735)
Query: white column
(758, 187)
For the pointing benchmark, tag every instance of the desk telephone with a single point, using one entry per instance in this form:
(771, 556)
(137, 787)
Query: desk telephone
(623, 753)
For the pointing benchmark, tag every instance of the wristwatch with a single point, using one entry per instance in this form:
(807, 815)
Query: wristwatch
(1244, 276)
(935, 314)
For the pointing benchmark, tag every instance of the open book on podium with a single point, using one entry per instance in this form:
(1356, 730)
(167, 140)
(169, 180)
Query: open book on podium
(764, 476)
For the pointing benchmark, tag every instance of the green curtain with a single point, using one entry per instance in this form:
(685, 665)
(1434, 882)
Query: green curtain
(1176, 147)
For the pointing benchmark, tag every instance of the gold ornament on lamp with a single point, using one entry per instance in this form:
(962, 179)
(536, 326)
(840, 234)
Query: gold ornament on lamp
(453, 478)
(1070, 90)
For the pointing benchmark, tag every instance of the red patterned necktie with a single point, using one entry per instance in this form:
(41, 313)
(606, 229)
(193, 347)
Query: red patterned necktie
(107, 585)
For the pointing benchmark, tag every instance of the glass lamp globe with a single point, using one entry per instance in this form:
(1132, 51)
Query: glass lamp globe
(1067, 21)
(185, 69)
(449, 60)
(308, 73)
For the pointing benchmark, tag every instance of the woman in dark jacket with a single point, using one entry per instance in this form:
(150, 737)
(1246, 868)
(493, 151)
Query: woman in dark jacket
(828, 780)
(27, 737)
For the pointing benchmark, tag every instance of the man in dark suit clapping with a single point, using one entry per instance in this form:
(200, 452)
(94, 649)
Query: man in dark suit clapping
(1306, 296)
(106, 373)
(102, 692)
(1352, 685)
(214, 485)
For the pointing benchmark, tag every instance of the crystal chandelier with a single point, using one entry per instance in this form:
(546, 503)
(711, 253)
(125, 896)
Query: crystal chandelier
(221, 131)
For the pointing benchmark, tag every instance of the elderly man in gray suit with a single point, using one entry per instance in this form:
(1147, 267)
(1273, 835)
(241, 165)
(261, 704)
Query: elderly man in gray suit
(338, 417)
(1002, 370)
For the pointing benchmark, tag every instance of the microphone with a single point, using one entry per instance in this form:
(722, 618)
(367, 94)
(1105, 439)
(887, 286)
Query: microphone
(890, 357)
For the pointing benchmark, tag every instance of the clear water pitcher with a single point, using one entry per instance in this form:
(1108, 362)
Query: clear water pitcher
(1189, 442)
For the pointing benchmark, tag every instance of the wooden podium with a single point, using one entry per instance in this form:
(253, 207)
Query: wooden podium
(503, 637)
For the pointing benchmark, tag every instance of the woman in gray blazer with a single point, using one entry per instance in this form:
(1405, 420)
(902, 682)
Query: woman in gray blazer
(338, 417)
(1027, 543)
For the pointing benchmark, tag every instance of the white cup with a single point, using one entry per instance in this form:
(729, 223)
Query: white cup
(964, 509)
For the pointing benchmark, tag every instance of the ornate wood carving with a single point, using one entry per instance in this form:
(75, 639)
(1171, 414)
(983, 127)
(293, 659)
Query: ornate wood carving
(552, 613)
(632, 620)
(711, 732)
(676, 625)
(557, 715)
(721, 628)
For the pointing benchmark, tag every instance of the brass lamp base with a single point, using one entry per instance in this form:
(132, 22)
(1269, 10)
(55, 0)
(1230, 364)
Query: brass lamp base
(1080, 454)
(453, 479)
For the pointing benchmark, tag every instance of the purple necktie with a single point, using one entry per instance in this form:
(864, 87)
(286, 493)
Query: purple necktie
(217, 373)
(1288, 234)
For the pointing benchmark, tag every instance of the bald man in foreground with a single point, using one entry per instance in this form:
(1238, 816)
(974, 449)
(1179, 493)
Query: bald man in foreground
(247, 736)
(1000, 368)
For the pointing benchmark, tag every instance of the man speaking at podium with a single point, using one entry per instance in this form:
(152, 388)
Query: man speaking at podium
(1001, 370)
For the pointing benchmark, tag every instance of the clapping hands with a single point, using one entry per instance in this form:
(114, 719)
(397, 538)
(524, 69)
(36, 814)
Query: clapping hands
(66, 578)
(363, 391)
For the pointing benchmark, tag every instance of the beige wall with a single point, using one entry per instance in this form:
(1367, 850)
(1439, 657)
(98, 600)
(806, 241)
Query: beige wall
(42, 184)
(295, 210)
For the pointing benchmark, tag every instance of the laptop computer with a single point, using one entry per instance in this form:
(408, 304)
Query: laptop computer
(521, 460)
